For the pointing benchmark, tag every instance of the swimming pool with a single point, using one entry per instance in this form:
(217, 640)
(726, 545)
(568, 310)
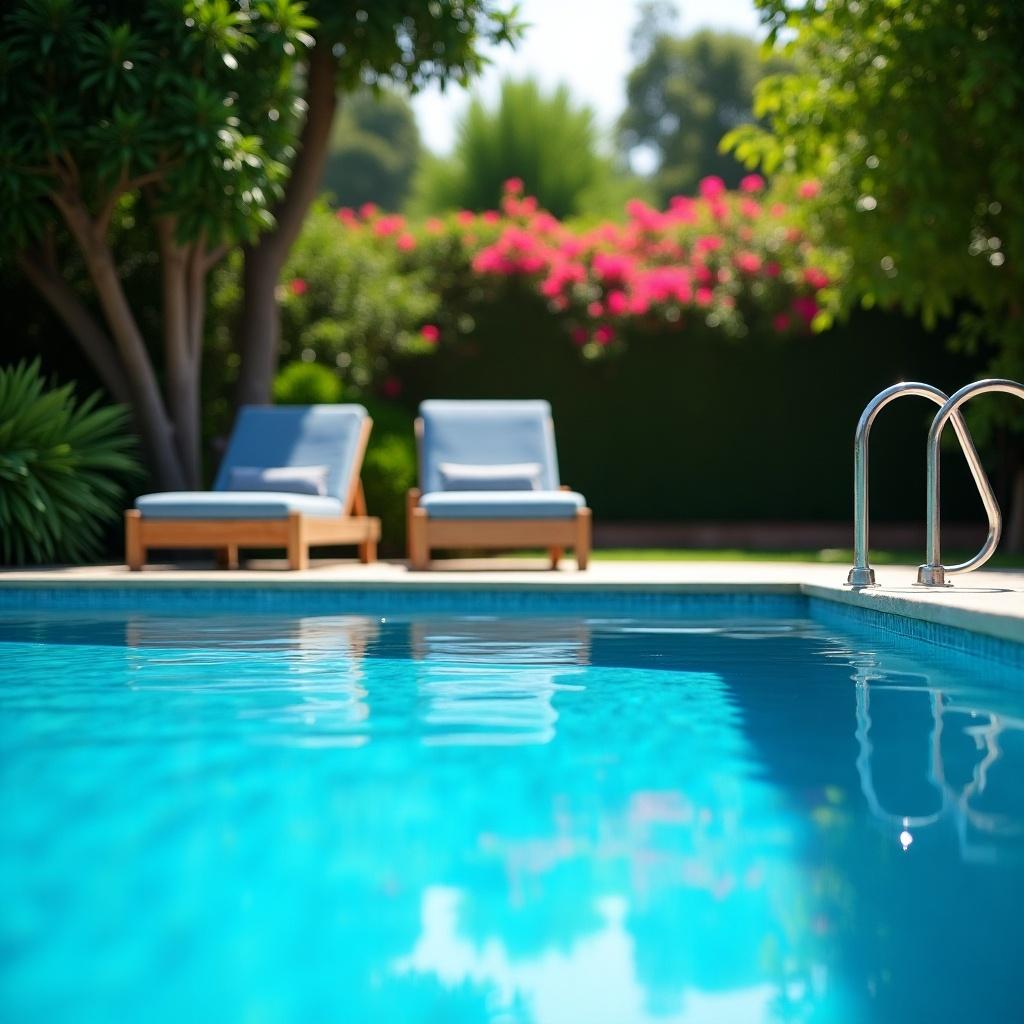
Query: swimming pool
(456, 809)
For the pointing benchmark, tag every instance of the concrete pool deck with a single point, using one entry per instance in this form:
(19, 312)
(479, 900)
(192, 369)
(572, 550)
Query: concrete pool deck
(986, 602)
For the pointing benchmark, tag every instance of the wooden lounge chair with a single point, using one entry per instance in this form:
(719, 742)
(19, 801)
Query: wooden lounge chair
(489, 479)
(289, 479)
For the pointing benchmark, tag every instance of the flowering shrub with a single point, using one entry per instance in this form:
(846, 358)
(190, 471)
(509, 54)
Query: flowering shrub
(722, 260)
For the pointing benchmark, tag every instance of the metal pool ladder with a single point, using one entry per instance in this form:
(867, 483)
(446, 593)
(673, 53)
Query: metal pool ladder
(932, 573)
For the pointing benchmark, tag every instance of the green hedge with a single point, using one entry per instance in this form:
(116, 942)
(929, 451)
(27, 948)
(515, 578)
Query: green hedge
(694, 427)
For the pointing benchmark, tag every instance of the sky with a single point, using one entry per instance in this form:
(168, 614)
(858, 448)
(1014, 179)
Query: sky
(584, 43)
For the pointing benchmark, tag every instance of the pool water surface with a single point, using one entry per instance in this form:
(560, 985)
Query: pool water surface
(433, 817)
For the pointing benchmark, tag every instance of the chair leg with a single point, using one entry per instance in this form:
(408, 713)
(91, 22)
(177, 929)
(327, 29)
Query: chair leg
(419, 546)
(556, 556)
(368, 552)
(134, 551)
(298, 549)
(227, 556)
(582, 538)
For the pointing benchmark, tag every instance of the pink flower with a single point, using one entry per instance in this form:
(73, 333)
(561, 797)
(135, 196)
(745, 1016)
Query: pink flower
(391, 387)
(816, 278)
(808, 189)
(772, 269)
(405, 242)
(347, 216)
(750, 209)
(748, 262)
(777, 209)
(645, 217)
(709, 243)
(751, 183)
(434, 225)
(683, 209)
(617, 302)
(604, 335)
(579, 335)
(705, 296)
(389, 225)
(610, 267)
(780, 322)
(595, 309)
(465, 216)
(490, 216)
(805, 308)
(298, 286)
(711, 187)
(368, 210)
(430, 333)
(513, 186)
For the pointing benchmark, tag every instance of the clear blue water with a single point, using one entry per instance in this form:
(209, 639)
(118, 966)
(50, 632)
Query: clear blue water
(446, 818)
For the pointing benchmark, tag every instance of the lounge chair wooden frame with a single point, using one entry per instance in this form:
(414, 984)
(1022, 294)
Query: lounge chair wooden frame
(424, 534)
(296, 534)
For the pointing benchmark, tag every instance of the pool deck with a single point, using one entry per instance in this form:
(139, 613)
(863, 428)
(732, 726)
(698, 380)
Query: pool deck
(986, 602)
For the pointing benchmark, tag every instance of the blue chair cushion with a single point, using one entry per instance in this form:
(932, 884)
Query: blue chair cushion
(234, 505)
(267, 436)
(502, 504)
(486, 433)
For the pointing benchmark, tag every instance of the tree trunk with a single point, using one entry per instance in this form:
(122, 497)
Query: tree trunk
(147, 402)
(91, 338)
(260, 322)
(181, 355)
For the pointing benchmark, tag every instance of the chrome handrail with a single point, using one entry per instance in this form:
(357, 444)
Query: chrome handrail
(862, 575)
(933, 573)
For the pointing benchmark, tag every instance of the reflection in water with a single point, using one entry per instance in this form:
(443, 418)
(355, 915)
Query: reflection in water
(954, 801)
(559, 984)
(467, 819)
(481, 687)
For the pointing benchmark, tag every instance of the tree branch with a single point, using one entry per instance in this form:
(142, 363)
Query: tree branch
(124, 185)
(91, 338)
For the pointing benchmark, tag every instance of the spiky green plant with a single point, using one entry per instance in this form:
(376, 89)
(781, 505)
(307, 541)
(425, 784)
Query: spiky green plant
(62, 464)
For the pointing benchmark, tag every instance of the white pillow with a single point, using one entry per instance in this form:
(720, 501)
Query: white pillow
(513, 476)
(290, 479)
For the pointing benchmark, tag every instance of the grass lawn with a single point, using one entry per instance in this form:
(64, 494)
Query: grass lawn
(830, 556)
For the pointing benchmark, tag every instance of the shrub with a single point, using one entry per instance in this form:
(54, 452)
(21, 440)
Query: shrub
(722, 261)
(306, 384)
(348, 302)
(390, 469)
(61, 461)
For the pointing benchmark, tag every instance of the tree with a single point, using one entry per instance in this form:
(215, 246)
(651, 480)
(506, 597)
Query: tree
(683, 95)
(374, 150)
(908, 119)
(545, 139)
(175, 113)
(406, 42)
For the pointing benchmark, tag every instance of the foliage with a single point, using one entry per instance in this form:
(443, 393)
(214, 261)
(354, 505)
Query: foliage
(375, 147)
(909, 116)
(61, 466)
(195, 97)
(306, 384)
(346, 299)
(543, 138)
(389, 469)
(409, 43)
(683, 95)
